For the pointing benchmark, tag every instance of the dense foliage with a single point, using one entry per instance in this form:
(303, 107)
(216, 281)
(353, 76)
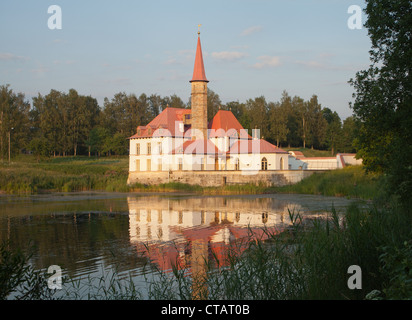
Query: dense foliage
(383, 97)
(60, 123)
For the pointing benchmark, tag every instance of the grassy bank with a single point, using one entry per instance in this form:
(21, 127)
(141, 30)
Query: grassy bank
(350, 182)
(26, 175)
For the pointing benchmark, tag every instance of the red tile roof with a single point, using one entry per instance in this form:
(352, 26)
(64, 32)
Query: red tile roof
(198, 146)
(165, 120)
(167, 255)
(254, 146)
(199, 69)
(224, 123)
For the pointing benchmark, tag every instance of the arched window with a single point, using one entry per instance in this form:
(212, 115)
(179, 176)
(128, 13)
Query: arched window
(281, 164)
(264, 164)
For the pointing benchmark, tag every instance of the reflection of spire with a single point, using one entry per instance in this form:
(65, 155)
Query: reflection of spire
(198, 264)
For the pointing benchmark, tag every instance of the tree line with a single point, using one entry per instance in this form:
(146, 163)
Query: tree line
(61, 124)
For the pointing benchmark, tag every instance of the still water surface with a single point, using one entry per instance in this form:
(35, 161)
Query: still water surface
(88, 233)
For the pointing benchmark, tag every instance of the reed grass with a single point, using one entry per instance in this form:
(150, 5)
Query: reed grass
(310, 261)
(351, 181)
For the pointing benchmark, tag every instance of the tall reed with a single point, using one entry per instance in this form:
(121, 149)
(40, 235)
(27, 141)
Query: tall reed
(308, 261)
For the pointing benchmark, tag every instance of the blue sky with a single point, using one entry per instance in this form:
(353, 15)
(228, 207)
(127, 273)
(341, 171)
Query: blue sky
(250, 48)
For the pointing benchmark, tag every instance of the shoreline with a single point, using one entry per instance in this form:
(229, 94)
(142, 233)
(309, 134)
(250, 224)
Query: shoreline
(26, 176)
(182, 191)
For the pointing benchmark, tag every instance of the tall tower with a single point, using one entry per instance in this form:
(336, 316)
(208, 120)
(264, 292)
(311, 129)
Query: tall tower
(199, 96)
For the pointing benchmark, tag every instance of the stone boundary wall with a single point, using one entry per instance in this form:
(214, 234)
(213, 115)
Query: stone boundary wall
(220, 178)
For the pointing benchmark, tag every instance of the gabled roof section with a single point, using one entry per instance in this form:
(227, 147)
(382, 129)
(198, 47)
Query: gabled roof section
(199, 69)
(165, 124)
(224, 123)
(198, 146)
(254, 146)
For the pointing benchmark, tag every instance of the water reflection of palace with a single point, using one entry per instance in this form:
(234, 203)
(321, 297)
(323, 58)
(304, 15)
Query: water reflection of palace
(186, 232)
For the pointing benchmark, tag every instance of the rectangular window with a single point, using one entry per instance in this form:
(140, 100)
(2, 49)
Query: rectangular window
(149, 148)
(137, 148)
(149, 165)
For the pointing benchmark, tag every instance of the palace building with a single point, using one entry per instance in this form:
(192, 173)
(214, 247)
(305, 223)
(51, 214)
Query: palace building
(181, 145)
(183, 140)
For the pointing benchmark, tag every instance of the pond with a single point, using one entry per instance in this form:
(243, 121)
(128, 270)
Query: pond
(90, 234)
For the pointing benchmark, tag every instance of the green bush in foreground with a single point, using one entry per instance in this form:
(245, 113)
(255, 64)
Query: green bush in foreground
(18, 278)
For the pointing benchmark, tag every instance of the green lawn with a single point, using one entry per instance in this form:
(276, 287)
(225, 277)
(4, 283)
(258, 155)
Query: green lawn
(25, 174)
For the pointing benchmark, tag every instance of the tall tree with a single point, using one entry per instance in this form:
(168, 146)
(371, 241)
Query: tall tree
(258, 113)
(300, 108)
(62, 121)
(123, 113)
(48, 119)
(213, 104)
(292, 136)
(383, 97)
(350, 131)
(172, 101)
(316, 123)
(155, 104)
(334, 129)
(278, 116)
(14, 121)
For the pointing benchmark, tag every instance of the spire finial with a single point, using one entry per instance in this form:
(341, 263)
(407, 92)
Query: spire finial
(199, 69)
(198, 29)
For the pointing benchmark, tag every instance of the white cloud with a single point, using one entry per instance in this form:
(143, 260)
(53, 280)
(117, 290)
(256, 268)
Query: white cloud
(180, 58)
(172, 61)
(40, 70)
(12, 57)
(312, 64)
(64, 62)
(251, 30)
(119, 81)
(229, 55)
(267, 61)
(324, 66)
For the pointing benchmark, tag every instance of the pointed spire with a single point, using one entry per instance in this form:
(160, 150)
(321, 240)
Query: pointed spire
(199, 69)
